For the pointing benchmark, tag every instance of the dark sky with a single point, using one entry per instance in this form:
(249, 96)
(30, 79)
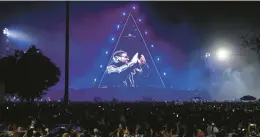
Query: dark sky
(199, 13)
(181, 27)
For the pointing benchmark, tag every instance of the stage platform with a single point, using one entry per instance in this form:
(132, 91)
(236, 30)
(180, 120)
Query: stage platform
(135, 94)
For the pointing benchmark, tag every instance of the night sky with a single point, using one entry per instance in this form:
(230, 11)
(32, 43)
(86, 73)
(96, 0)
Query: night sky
(180, 31)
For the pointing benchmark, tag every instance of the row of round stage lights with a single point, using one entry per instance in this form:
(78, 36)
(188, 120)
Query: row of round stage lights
(113, 39)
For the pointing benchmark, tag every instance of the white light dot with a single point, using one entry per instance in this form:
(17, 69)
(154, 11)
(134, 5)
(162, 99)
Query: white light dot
(106, 52)
(164, 73)
(124, 13)
(152, 46)
(134, 7)
(101, 66)
(145, 32)
(113, 39)
(207, 55)
(118, 26)
(95, 80)
(158, 59)
(139, 20)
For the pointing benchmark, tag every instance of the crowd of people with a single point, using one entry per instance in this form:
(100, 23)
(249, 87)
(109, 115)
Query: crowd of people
(139, 119)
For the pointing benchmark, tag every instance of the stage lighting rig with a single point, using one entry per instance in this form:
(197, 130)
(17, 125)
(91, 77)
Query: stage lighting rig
(6, 31)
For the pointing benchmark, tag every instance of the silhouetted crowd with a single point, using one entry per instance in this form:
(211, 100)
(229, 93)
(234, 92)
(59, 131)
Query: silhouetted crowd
(139, 119)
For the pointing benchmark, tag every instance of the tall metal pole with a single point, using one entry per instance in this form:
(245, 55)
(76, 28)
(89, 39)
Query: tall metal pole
(67, 37)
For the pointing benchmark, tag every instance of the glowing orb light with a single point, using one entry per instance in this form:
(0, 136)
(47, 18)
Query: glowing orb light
(223, 54)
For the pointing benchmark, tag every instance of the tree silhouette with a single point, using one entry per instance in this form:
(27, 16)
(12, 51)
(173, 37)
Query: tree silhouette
(8, 74)
(252, 42)
(28, 74)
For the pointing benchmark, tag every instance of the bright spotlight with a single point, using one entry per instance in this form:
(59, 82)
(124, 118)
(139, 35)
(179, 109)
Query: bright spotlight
(139, 20)
(6, 31)
(134, 7)
(164, 73)
(124, 13)
(223, 54)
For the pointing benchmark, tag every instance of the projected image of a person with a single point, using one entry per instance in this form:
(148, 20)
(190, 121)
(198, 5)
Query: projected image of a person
(126, 68)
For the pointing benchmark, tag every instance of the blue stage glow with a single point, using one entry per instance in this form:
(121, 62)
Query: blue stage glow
(95, 80)
(164, 73)
(101, 66)
(124, 13)
(106, 52)
(158, 59)
(139, 20)
(118, 26)
(113, 39)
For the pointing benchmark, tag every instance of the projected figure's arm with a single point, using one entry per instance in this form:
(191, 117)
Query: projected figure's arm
(141, 62)
(139, 70)
(115, 69)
